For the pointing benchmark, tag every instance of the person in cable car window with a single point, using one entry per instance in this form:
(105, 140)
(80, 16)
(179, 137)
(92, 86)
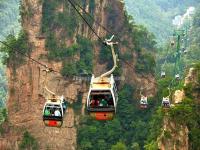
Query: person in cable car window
(97, 103)
(47, 112)
(92, 103)
(57, 113)
(103, 103)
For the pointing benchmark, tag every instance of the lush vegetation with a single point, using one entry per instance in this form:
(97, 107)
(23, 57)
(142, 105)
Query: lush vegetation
(9, 18)
(133, 128)
(76, 58)
(18, 47)
(157, 15)
(9, 24)
(28, 142)
(3, 87)
(188, 113)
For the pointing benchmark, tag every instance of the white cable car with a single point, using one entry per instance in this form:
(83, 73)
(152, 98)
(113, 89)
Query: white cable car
(172, 43)
(53, 111)
(54, 107)
(102, 96)
(143, 102)
(185, 51)
(166, 102)
(177, 77)
(163, 74)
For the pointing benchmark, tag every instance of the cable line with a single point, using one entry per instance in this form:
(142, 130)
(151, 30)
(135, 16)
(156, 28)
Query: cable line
(85, 20)
(29, 57)
(93, 18)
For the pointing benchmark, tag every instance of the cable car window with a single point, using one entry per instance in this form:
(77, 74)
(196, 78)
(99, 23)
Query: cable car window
(101, 99)
(53, 110)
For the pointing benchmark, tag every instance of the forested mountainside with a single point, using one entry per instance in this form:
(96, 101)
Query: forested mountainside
(178, 128)
(9, 23)
(9, 10)
(157, 15)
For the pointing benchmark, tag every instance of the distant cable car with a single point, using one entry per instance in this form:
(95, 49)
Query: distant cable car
(177, 77)
(163, 75)
(102, 96)
(172, 43)
(143, 102)
(166, 102)
(185, 51)
(53, 111)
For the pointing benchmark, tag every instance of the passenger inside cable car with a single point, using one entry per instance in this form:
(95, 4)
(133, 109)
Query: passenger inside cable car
(101, 99)
(52, 111)
(53, 115)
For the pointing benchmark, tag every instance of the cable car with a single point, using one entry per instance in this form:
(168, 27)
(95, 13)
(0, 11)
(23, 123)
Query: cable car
(185, 51)
(177, 77)
(53, 111)
(163, 75)
(166, 102)
(172, 43)
(143, 102)
(102, 98)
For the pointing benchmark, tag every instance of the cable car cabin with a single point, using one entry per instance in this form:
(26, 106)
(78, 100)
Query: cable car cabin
(102, 98)
(163, 75)
(172, 43)
(143, 102)
(185, 51)
(53, 112)
(177, 77)
(166, 102)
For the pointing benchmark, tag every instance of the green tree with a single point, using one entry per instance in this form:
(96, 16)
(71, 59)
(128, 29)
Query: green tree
(135, 146)
(28, 142)
(119, 146)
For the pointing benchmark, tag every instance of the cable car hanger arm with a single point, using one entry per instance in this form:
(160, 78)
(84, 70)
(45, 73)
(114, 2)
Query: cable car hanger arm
(114, 55)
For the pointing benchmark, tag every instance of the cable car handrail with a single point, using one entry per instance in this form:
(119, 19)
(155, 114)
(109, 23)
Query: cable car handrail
(115, 56)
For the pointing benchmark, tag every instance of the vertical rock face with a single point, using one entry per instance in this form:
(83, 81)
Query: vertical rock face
(26, 96)
(25, 102)
(174, 136)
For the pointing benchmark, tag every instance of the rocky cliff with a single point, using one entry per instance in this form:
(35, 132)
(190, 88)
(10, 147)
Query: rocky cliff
(26, 96)
(175, 134)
